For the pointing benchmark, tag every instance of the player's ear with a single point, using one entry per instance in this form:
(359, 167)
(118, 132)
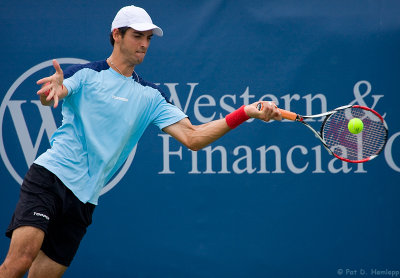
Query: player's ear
(116, 35)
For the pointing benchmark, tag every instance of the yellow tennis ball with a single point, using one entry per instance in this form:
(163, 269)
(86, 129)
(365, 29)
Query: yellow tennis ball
(355, 125)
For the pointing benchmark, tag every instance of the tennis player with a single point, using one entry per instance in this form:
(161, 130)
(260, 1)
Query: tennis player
(106, 108)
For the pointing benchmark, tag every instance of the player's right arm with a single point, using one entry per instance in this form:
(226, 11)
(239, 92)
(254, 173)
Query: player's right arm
(52, 90)
(196, 137)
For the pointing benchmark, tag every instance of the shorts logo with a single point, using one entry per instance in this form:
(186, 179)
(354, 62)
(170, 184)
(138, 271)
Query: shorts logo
(41, 215)
(24, 122)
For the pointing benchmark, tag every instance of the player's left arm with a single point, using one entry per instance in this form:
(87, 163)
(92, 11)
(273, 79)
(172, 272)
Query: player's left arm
(196, 137)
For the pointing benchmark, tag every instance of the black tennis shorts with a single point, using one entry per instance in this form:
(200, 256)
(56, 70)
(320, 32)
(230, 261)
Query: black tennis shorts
(46, 203)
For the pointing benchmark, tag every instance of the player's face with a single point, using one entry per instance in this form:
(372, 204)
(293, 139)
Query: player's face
(134, 45)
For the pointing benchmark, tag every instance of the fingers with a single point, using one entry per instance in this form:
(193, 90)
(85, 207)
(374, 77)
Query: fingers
(57, 77)
(272, 104)
(269, 111)
(276, 114)
(44, 80)
(55, 100)
(46, 88)
(52, 95)
(57, 67)
(52, 86)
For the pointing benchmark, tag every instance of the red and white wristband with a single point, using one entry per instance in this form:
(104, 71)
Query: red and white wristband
(236, 118)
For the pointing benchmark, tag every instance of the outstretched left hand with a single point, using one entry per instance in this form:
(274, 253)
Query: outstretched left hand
(52, 90)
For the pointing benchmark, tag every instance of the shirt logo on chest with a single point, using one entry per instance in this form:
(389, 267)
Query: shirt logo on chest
(119, 98)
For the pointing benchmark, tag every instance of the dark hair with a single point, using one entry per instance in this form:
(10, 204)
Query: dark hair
(122, 31)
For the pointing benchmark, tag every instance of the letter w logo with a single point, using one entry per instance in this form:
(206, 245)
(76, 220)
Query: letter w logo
(29, 148)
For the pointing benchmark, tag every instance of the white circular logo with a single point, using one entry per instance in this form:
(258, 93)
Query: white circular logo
(23, 133)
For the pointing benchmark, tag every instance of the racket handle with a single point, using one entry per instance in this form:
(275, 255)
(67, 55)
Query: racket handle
(285, 114)
(288, 115)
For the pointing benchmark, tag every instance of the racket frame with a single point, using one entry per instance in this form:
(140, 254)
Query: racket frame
(302, 119)
(330, 113)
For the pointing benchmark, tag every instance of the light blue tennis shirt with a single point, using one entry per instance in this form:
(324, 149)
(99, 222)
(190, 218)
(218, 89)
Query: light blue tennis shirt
(104, 115)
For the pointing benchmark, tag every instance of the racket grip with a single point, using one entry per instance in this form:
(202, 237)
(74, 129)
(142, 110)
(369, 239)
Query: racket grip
(285, 114)
(288, 115)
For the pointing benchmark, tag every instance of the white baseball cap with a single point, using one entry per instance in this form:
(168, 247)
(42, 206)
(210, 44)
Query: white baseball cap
(135, 18)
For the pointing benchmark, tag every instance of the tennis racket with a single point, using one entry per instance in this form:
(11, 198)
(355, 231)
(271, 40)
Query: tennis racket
(338, 140)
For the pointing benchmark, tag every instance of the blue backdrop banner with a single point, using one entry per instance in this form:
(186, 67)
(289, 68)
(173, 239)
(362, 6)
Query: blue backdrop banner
(266, 200)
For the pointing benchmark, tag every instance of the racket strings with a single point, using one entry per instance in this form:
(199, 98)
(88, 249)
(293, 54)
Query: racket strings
(350, 146)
